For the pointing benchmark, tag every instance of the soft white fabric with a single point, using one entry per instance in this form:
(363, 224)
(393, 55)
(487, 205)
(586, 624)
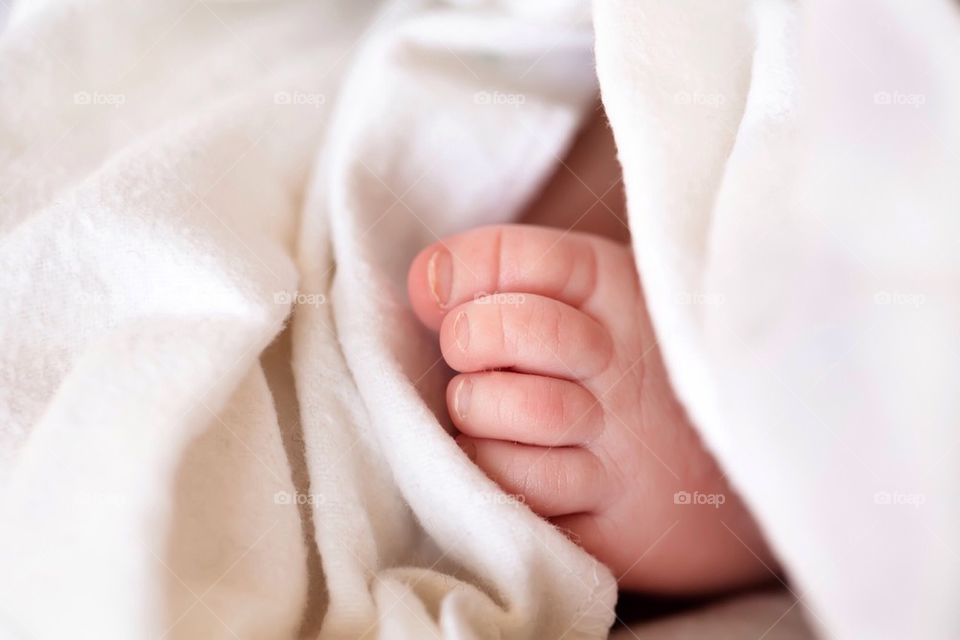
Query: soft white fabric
(791, 174)
(174, 174)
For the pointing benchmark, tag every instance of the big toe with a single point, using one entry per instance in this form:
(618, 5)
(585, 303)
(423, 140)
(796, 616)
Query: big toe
(552, 263)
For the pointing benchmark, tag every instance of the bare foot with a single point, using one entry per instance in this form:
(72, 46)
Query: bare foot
(562, 398)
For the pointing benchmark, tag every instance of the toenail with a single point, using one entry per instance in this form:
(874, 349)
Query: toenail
(461, 329)
(468, 448)
(440, 276)
(461, 400)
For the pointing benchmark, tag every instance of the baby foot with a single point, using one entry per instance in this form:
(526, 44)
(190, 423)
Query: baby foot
(562, 398)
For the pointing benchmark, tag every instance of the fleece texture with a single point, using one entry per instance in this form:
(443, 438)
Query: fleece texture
(790, 171)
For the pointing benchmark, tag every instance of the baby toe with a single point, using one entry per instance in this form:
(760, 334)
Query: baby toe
(529, 333)
(524, 408)
(551, 481)
(520, 258)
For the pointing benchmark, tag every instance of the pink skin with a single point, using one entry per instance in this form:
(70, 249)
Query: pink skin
(562, 398)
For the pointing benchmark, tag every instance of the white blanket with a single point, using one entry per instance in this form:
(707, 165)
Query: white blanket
(791, 178)
(218, 418)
